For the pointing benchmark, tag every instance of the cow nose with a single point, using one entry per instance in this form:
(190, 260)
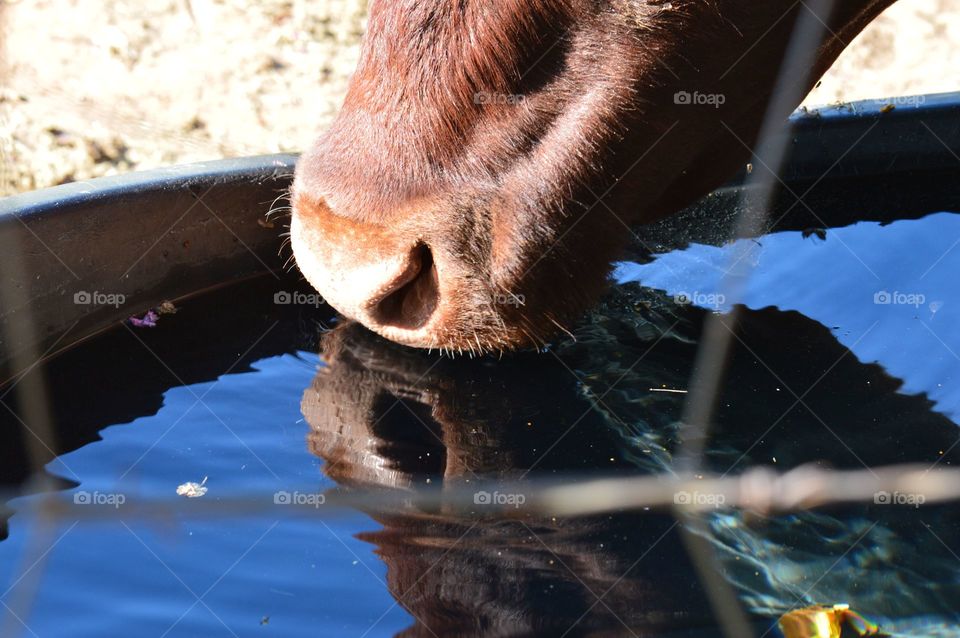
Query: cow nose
(408, 301)
(391, 278)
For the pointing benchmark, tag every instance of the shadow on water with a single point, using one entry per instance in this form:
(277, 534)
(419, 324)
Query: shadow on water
(380, 415)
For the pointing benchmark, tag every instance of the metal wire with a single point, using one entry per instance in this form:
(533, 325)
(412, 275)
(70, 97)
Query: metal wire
(759, 490)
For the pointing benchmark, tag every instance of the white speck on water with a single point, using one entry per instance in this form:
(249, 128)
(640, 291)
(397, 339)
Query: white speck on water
(192, 490)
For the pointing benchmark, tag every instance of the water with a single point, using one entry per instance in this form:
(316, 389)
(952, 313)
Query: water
(235, 391)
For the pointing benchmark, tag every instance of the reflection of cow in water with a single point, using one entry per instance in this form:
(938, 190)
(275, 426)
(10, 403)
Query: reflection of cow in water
(386, 416)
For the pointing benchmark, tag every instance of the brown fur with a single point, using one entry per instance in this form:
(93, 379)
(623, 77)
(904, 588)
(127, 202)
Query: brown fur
(529, 195)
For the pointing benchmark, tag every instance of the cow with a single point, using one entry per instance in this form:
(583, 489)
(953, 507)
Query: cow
(490, 157)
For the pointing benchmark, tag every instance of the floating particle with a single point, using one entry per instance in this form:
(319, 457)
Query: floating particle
(149, 320)
(166, 308)
(824, 621)
(192, 490)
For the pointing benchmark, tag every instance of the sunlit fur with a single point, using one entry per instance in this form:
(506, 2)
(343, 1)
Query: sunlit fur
(518, 140)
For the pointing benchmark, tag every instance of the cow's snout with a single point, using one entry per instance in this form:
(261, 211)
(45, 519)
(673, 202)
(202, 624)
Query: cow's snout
(386, 276)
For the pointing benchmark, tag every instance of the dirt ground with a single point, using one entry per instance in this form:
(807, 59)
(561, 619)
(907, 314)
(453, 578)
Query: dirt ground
(95, 87)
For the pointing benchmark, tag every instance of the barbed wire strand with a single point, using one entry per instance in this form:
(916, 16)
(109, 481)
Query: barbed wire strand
(759, 490)
(715, 346)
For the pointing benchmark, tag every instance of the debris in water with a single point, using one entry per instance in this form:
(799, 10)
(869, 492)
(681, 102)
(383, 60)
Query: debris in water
(265, 621)
(166, 308)
(148, 320)
(192, 490)
(824, 621)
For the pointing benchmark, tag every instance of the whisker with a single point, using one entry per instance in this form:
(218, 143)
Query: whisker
(568, 333)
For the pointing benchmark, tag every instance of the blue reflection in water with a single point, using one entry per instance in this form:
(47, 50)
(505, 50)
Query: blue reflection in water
(888, 292)
(144, 577)
(885, 291)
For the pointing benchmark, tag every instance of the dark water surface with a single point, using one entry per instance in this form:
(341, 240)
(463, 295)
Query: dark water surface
(232, 388)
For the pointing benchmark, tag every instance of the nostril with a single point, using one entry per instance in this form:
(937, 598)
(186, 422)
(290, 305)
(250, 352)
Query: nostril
(411, 304)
